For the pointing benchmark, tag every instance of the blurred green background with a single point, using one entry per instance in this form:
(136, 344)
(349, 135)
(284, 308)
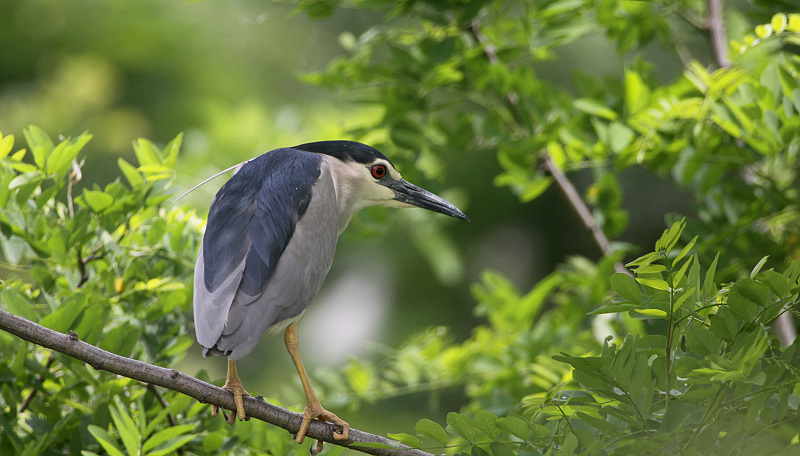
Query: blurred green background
(229, 76)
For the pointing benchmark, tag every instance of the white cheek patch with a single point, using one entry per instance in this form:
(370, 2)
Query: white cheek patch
(382, 193)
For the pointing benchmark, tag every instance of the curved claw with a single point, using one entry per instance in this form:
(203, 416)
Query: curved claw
(318, 412)
(234, 385)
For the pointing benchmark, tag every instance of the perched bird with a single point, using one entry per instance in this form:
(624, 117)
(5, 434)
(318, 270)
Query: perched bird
(269, 242)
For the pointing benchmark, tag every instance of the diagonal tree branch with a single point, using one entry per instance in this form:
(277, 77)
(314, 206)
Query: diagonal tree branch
(563, 183)
(716, 29)
(71, 345)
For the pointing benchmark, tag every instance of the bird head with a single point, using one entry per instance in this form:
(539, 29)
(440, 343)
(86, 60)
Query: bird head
(365, 177)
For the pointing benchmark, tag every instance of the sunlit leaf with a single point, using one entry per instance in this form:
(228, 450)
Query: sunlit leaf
(431, 429)
(106, 441)
(6, 143)
(126, 427)
(625, 286)
(514, 425)
(462, 425)
(406, 439)
(97, 200)
(595, 108)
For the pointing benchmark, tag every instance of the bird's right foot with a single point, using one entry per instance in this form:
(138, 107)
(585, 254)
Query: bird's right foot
(234, 385)
(315, 411)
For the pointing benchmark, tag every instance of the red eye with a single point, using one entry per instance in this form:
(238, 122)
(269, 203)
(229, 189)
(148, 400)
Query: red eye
(378, 171)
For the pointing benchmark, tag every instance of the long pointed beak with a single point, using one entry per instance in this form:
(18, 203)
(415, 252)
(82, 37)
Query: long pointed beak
(409, 193)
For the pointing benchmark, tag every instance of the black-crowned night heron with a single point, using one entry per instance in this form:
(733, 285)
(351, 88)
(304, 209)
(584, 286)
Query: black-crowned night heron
(269, 242)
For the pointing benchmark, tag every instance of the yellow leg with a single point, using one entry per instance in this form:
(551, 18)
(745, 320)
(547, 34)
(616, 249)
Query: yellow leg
(313, 408)
(234, 385)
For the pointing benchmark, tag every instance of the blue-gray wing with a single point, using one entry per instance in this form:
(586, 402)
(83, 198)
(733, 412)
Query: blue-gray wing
(250, 224)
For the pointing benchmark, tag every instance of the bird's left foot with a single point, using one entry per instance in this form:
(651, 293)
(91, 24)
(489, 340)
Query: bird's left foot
(234, 385)
(315, 411)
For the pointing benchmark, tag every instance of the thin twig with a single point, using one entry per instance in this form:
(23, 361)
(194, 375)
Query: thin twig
(74, 177)
(82, 262)
(716, 29)
(71, 345)
(39, 378)
(164, 404)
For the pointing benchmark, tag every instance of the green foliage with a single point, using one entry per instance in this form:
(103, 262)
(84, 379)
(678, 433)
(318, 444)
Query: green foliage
(112, 264)
(677, 357)
(710, 380)
(689, 365)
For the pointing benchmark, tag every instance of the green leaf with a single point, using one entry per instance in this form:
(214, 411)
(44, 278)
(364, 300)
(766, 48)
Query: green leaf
(658, 284)
(796, 99)
(724, 324)
(643, 260)
(684, 296)
(569, 445)
(625, 286)
(65, 314)
(598, 423)
(106, 441)
(39, 143)
(758, 266)
(636, 92)
(35, 177)
(514, 425)
(462, 425)
(619, 136)
(213, 441)
(60, 159)
(406, 439)
(595, 108)
(154, 173)
(170, 153)
(6, 144)
(709, 286)
(431, 429)
(541, 432)
(134, 177)
(670, 236)
(651, 312)
(500, 449)
(158, 229)
(778, 283)
(17, 304)
(534, 187)
(168, 439)
(121, 339)
(746, 296)
(486, 422)
(702, 341)
(779, 22)
(127, 429)
(678, 276)
(147, 153)
(97, 200)
(686, 249)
